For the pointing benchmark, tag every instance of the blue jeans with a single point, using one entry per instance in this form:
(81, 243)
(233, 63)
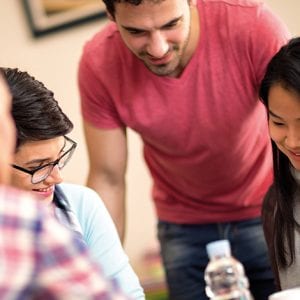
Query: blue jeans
(184, 256)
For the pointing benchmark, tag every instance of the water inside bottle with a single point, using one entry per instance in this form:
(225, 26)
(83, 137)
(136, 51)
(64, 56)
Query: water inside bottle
(224, 281)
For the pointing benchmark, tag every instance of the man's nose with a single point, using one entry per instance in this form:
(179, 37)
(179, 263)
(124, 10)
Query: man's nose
(158, 45)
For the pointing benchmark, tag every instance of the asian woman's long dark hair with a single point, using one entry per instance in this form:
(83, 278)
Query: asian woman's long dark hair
(283, 70)
(37, 115)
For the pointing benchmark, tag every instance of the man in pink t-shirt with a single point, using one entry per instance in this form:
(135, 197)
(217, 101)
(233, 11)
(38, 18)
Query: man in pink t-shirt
(185, 75)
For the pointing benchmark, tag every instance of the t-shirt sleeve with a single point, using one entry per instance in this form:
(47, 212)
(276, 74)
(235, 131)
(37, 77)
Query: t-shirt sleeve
(97, 105)
(267, 36)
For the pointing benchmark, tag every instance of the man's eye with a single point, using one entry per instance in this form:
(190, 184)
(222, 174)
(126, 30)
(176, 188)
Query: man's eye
(135, 32)
(171, 25)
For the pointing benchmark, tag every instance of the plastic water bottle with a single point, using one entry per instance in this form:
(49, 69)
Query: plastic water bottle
(224, 275)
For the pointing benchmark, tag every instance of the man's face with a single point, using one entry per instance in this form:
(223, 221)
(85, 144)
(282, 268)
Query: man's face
(7, 133)
(157, 32)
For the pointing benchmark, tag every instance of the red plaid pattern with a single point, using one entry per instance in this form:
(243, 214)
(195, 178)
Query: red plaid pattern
(39, 259)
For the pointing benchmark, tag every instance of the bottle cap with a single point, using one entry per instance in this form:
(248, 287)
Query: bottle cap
(218, 248)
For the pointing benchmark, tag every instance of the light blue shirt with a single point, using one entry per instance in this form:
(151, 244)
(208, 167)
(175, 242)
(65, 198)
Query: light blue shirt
(90, 217)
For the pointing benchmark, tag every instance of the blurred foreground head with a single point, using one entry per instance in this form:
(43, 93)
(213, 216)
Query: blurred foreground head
(7, 132)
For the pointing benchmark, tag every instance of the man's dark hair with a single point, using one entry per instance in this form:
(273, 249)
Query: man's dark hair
(110, 4)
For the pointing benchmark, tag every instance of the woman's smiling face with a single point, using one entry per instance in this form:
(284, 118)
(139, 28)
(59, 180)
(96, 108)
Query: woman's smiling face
(32, 155)
(284, 122)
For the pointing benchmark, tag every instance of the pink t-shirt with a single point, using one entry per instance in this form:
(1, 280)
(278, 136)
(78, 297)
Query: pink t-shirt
(205, 134)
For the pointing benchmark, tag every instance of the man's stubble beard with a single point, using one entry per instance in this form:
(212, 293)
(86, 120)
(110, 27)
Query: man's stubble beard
(163, 70)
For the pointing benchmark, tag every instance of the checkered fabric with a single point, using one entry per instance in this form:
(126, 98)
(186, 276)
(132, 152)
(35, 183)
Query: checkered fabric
(40, 259)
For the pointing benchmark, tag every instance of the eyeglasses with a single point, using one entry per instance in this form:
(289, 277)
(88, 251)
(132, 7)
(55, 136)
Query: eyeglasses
(39, 174)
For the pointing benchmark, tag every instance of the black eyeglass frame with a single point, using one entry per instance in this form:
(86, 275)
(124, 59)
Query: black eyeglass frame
(53, 163)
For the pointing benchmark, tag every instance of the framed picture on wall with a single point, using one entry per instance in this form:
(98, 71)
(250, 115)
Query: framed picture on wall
(45, 16)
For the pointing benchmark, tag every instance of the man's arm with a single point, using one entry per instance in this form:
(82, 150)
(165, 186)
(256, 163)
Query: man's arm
(107, 151)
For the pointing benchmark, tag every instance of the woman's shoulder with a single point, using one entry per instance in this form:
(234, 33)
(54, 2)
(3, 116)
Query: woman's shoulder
(80, 195)
(76, 189)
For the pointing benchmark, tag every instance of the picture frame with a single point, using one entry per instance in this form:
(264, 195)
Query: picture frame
(47, 16)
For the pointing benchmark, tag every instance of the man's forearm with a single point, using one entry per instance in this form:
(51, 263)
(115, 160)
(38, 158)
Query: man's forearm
(113, 196)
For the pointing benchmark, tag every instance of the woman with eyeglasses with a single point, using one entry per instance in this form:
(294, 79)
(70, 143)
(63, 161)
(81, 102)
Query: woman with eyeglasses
(42, 150)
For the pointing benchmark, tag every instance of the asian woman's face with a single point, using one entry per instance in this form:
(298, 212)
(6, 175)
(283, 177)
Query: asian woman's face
(284, 122)
(32, 155)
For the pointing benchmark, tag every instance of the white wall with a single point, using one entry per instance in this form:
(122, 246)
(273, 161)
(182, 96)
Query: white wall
(53, 60)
